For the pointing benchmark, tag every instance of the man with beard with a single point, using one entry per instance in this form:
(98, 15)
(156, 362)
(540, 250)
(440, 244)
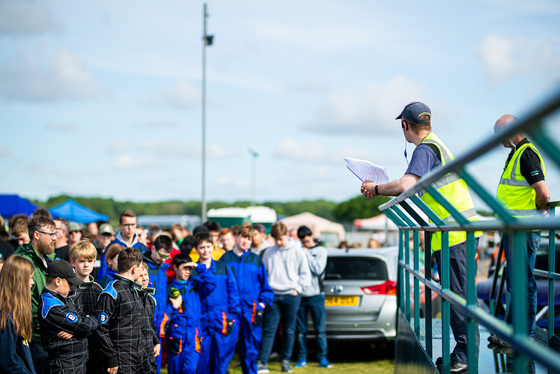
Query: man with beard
(40, 251)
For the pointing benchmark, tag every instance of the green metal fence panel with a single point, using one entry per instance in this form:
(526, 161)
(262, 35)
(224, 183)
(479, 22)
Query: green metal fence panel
(404, 209)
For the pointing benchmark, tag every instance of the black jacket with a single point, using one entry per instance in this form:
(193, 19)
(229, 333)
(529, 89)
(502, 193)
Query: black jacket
(57, 313)
(86, 299)
(149, 334)
(119, 312)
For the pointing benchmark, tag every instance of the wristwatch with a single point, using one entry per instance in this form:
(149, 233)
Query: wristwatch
(376, 190)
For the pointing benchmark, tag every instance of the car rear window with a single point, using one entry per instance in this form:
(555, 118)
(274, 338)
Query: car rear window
(356, 268)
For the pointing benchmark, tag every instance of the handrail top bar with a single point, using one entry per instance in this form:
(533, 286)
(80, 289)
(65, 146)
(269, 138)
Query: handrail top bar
(542, 223)
(528, 120)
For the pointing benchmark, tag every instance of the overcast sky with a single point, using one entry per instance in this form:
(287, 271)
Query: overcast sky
(103, 98)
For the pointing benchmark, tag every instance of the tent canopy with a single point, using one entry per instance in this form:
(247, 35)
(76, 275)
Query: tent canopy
(317, 224)
(72, 211)
(10, 205)
(377, 223)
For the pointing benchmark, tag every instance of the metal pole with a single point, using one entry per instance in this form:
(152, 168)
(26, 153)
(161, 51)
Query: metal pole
(204, 42)
(254, 156)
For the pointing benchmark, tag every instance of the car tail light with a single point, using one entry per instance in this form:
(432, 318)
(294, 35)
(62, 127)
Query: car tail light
(387, 288)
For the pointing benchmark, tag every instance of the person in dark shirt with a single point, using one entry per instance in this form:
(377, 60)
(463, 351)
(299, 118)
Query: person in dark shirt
(525, 194)
(119, 311)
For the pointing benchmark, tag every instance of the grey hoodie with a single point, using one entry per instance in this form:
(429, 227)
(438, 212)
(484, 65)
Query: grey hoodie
(287, 268)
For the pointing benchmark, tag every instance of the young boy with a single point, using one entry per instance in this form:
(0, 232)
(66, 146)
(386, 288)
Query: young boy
(157, 271)
(149, 333)
(220, 311)
(112, 259)
(119, 312)
(183, 308)
(82, 257)
(255, 294)
(68, 350)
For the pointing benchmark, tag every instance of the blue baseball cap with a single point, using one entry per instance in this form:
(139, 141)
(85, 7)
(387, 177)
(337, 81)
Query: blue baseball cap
(414, 111)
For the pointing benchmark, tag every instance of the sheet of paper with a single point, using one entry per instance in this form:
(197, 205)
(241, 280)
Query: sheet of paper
(366, 170)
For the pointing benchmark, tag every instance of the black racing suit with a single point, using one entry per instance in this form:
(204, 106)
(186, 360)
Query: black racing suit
(86, 298)
(119, 312)
(56, 314)
(149, 333)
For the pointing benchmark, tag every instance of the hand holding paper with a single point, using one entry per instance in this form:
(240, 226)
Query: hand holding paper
(366, 170)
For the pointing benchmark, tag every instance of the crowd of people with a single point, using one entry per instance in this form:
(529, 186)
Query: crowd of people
(133, 300)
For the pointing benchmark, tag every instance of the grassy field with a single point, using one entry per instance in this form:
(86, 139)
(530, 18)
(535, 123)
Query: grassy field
(345, 358)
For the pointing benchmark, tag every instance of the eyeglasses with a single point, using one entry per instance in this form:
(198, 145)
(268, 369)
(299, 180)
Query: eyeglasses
(128, 225)
(51, 235)
(164, 257)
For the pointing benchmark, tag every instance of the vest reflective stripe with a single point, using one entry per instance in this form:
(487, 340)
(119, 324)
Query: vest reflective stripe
(455, 190)
(514, 191)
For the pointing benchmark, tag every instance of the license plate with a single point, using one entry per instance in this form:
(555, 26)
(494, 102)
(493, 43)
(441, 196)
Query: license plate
(341, 300)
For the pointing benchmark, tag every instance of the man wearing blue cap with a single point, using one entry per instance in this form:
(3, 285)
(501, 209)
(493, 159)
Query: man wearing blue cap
(430, 153)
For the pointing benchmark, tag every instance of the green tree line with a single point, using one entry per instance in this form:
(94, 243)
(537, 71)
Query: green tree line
(343, 212)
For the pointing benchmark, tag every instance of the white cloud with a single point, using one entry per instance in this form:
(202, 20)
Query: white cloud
(183, 95)
(177, 149)
(505, 58)
(369, 110)
(312, 151)
(26, 18)
(64, 77)
(128, 162)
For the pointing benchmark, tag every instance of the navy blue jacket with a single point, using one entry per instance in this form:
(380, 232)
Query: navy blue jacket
(119, 240)
(16, 355)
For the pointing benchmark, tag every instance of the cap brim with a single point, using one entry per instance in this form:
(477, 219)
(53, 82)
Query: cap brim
(399, 117)
(75, 281)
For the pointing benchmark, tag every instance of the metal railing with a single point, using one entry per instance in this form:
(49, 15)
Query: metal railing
(403, 211)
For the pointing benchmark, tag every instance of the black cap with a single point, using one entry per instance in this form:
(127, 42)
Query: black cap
(63, 269)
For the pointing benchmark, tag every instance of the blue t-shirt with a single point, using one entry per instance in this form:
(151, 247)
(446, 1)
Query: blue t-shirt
(423, 160)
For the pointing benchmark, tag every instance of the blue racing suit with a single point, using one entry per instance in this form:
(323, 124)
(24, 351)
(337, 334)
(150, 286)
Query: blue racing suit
(252, 282)
(219, 321)
(184, 334)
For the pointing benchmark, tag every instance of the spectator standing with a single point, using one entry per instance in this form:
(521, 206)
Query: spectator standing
(259, 243)
(255, 294)
(19, 230)
(40, 251)
(82, 258)
(126, 237)
(313, 300)
(112, 261)
(149, 333)
(227, 240)
(16, 279)
(105, 235)
(429, 154)
(220, 311)
(119, 311)
(157, 269)
(74, 233)
(61, 246)
(184, 334)
(64, 326)
(288, 276)
(524, 193)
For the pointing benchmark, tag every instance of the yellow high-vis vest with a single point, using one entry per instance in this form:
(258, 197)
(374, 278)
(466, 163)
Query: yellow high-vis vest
(455, 190)
(514, 191)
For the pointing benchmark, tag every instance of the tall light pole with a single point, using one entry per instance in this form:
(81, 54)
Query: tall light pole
(253, 181)
(207, 40)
